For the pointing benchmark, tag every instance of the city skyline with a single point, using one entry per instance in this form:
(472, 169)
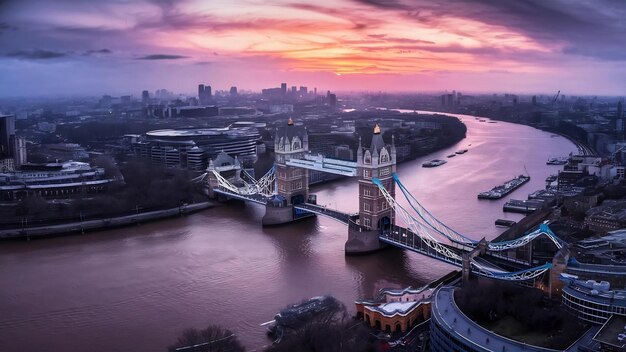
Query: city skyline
(120, 47)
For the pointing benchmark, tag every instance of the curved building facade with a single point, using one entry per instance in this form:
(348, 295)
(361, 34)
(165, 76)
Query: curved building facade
(591, 300)
(192, 148)
(451, 330)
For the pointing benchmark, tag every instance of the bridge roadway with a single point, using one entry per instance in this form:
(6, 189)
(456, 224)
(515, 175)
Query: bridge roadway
(404, 238)
(255, 198)
(336, 215)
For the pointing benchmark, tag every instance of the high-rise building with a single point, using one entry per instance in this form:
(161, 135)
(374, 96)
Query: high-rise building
(7, 136)
(20, 151)
(294, 90)
(283, 88)
(303, 90)
(332, 101)
(534, 100)
(620, 109)
(200, 91)
(145, 97)
(233, 90)
(204, 94)
(7, 143)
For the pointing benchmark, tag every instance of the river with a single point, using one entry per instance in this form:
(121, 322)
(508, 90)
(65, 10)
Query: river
(137, 288)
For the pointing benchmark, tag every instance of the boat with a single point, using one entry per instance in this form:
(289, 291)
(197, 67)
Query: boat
(481, 120)
(505, 223)
(502, 190)
(434, 163)
(297, 315)
(493, 121)
(522, 206)
(557, 161)
(462, 151)
(551, 178)
(451, 155)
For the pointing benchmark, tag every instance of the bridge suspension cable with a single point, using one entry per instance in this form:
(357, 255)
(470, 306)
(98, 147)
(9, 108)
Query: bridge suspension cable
(423, 231)
(431, 220)
(455, 236)
(264, 186)
(416, 226)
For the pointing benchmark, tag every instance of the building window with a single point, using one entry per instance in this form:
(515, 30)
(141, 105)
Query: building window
(384, 158)
(384, 205)
(366, 207)
(367, 173)
(367, 222)
(384, 171)
(367, 192)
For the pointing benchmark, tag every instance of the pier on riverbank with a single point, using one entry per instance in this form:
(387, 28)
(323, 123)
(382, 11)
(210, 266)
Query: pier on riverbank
(102, 224)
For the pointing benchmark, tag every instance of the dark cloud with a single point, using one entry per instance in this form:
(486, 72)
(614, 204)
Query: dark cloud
(5, 27)
(595, 29)
(162, 57)
(96, 52)
(36, 54)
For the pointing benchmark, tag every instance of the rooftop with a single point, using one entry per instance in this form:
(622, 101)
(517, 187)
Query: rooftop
(613, 332)
(448, 314)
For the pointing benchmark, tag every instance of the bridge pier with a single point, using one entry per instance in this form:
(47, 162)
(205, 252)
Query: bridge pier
(362, 241)
(277, 215)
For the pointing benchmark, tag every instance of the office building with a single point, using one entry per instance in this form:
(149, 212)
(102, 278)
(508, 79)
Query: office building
(233, 90)
(192, 148)
(7, 136)
(283, 88)
(145, 97)
(204, 94)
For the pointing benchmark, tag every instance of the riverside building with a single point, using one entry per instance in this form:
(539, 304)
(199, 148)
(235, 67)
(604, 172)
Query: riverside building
(192, 148)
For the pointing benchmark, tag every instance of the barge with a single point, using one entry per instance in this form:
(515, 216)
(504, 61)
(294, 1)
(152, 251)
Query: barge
(502, 190)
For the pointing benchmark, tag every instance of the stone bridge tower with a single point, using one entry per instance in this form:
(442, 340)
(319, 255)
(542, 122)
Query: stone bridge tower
(375, 215)
(291, 142)
(292, 183)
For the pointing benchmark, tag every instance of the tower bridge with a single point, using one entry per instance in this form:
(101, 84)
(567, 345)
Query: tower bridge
(381, 221)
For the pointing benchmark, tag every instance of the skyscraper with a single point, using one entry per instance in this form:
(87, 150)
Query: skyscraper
(145, 97)
(332, 101)
(233, 90)
(620, 109)
(7, 143)
(7, 136)
(204, 94)
(283, 88)
(200, 91)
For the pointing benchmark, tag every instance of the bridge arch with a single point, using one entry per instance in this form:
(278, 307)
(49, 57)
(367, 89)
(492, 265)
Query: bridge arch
(384, 224)
(297, 199)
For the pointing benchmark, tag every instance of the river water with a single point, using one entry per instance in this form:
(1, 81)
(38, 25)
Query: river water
(137, 288)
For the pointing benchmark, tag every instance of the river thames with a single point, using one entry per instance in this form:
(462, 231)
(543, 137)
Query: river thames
(137, 288)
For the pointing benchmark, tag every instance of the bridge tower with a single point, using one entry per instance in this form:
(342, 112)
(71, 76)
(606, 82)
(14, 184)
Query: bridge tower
(227, 166)
(375, 215)
(292, 183)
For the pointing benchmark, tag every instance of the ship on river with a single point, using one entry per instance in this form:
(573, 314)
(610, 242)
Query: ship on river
(434, 163)
(502, 190)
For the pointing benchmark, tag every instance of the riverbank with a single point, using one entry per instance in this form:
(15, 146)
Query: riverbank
(102, 224)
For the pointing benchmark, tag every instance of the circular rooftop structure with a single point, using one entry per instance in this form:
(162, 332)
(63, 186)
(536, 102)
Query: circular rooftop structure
(195, 132)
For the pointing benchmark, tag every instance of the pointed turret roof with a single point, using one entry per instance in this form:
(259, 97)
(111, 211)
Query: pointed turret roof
(377, 140)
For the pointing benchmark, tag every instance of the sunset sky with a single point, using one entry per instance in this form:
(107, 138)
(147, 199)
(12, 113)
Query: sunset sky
(124, 46)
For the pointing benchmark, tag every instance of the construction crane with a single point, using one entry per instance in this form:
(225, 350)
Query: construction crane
(556, 97)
